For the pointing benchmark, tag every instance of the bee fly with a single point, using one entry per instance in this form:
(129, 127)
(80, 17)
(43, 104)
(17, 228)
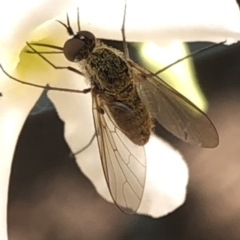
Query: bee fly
(126, 97)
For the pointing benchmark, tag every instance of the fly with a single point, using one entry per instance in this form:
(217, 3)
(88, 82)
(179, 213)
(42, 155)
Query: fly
(125, 99)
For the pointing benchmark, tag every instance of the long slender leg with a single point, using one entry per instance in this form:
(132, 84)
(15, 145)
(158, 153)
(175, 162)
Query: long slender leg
(188, 56)
(53, 65)
(126, 52)
(125, 47)
(85, 147)
(78, 20)
(87, 90)
(43, 52)
(47, 46)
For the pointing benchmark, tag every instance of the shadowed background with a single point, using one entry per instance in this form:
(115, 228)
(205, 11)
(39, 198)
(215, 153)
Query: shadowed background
(49, 198)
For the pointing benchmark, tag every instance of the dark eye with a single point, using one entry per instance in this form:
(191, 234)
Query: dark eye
(78, 48)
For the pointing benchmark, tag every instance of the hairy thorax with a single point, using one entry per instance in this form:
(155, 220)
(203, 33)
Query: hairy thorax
(111, 75)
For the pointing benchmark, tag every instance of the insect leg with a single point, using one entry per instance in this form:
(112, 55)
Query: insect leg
(43, 52)
(46, 45)
(78, 20)
(125, 47)
(53, 65)
(188, 56)
(47, 87)
(60, 49)
(85, 147)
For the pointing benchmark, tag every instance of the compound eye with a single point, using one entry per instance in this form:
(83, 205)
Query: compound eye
(87, 35)
(88, 38)
(72, 49)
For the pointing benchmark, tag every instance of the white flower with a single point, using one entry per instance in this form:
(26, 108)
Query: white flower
(159, 21)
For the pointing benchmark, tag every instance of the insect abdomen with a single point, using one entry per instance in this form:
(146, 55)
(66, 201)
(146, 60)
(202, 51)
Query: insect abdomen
(130, 115)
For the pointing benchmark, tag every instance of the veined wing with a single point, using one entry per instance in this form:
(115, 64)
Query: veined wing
(123, 162)
(173, 111)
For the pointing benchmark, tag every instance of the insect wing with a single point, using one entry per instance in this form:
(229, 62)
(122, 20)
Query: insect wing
(123, 162)
(173, 111)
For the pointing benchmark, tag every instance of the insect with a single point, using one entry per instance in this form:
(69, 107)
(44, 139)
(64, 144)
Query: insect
(125, 99)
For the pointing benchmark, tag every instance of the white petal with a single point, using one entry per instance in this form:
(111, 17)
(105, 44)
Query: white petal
(167, 178)
(163, 21)
(76, 111)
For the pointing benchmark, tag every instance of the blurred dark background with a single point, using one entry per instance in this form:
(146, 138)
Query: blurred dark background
(50, 199)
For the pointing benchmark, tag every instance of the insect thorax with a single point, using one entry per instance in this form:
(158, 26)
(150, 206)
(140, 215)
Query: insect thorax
(108, 69)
